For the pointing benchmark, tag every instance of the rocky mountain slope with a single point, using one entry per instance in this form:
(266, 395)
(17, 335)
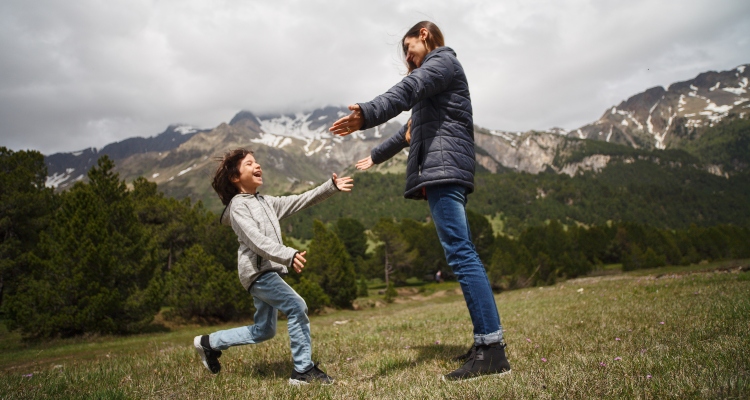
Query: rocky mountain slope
(665, 118)
(296, 150)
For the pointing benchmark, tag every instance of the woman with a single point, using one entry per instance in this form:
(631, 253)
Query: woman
(439, 168)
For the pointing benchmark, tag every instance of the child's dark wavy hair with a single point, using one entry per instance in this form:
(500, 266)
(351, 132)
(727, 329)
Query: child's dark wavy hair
(228, 169)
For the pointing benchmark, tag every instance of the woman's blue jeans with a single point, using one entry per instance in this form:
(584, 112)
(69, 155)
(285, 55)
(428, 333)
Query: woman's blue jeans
(448, 208)
(271, 293)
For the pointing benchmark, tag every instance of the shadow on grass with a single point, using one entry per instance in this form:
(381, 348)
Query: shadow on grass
(424, 354)
(267, 370)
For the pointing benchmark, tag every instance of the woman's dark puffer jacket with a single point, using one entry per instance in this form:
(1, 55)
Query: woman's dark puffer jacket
(442, 129)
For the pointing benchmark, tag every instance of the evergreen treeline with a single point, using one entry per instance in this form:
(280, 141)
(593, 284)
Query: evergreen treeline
(726, 144)
(668, 189)
(104, 257)
(551, 251)
(648, 190)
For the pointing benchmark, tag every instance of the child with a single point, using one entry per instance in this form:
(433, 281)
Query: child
(262, 257)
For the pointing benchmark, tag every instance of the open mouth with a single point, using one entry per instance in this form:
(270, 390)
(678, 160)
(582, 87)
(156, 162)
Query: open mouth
(258, 174)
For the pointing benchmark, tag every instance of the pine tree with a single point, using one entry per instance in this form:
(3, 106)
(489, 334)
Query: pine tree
(481, 234)
(314, 296)
(25, 207)
(390, 293)
(362, 289)
(330, 265)
(351, 232)
(94, 271)
(174, 226)
(424, 246)
(394, 254)
(199, 287)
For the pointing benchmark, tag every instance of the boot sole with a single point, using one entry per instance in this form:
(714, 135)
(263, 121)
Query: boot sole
(474, 378)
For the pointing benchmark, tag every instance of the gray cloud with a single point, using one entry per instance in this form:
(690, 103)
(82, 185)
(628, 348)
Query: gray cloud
(87, 73)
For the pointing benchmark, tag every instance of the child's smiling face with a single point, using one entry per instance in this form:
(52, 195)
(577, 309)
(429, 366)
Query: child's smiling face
(250, 175)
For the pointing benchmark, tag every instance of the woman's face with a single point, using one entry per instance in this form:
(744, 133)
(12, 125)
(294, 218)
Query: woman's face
(415, 50)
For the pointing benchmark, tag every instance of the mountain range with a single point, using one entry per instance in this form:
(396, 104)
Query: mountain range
(297, 151)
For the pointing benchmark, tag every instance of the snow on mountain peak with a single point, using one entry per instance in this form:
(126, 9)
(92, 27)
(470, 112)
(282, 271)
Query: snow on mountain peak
(185, 129)
(295, 126)
(741, 89)
(272, 140)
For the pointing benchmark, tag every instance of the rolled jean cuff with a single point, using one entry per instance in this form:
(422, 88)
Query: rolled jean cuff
(490, 338)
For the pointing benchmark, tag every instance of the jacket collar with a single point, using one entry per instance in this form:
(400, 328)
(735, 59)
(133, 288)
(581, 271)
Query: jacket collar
(224, 217)
(438, 51)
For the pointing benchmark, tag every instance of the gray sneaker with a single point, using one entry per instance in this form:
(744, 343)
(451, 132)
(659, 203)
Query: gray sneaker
(209, 356)
(314, 374)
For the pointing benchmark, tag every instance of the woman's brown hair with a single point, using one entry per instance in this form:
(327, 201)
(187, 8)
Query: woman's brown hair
(228, 169)
(433, 41)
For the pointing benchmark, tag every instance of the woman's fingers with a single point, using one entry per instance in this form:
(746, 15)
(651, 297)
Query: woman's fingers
(348, 124)
(364, 164)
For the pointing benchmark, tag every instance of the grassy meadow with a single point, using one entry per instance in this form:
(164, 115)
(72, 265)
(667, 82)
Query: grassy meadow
(676, 333)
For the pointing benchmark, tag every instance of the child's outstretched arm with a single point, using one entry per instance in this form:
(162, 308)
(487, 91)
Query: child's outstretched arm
(287, 205)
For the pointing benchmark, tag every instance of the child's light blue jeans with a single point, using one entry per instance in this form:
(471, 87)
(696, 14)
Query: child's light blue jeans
(271, 293)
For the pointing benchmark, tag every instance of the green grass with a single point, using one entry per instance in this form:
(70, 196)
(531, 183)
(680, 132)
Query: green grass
(678, 335)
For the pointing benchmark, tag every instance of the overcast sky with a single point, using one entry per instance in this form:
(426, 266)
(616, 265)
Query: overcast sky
(85, 73)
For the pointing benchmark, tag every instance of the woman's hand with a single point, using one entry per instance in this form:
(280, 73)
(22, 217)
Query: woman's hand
(345, 184)
(299, 261)
(351, 123)
(364, 164)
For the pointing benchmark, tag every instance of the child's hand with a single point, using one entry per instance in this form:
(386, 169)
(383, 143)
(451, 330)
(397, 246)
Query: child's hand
(364, 163)
(344, 184)
(299, 261)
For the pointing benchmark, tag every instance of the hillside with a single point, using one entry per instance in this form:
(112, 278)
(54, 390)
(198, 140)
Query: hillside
(576, 339)
(706, 117)
(669, 118)
(661, 188)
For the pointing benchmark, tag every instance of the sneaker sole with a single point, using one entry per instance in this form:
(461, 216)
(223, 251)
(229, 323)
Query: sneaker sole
(202, 353)
(474, 378)
(297, 382)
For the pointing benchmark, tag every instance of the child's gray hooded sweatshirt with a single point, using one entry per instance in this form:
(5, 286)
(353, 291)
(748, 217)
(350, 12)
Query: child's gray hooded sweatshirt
(255, 220)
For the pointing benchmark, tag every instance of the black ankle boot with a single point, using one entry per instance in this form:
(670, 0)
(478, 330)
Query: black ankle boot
(465, 356)
(483, 360)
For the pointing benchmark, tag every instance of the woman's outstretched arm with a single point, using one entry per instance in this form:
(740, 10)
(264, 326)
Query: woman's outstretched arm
(429, 79)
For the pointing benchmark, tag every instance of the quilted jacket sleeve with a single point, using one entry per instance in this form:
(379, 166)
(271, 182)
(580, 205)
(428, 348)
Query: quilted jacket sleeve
(384, 151)
(432, 77)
